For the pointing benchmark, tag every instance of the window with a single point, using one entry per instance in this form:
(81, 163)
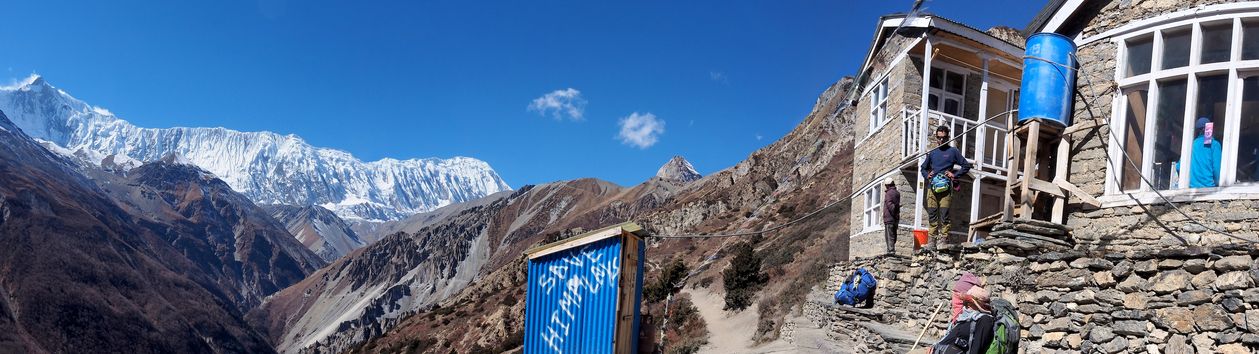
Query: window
(1139, 56)
(1169, 129)
(1250, 39)
(878, 106)
(1134, 137)
(948, 91)
(873, 217)
(1176, 48)
(1217, 40)
(1248, 135)
(1171, 78)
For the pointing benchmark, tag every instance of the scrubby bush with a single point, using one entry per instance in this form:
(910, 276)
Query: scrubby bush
(666, 283)
(743, 278)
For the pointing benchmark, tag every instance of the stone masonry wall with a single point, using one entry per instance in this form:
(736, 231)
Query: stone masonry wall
(1128, 227)
(1177, 300)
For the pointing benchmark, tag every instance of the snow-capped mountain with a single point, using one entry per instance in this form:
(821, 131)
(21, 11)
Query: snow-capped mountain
(678, 169)
(267, 167)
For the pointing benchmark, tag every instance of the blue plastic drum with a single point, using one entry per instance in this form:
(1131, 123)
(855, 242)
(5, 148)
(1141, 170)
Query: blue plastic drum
(1049, 69)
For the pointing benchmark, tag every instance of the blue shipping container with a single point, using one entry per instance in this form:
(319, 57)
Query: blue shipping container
(583, 293)
(1048, 84)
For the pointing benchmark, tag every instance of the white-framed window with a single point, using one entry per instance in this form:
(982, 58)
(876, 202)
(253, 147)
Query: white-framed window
(878, 106)
(872, 218)
(1170, 77)
(948, 91)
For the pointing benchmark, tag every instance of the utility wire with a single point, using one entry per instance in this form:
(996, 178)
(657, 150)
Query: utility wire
(836, 202)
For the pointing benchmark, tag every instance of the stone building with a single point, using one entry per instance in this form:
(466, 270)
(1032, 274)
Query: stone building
(968, 81)
(1148, 71)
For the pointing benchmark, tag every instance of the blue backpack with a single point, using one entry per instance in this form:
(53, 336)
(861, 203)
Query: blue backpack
(857, 288)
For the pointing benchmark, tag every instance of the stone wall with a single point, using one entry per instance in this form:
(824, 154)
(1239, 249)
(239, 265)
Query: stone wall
(1176, 300)
(1127, 226)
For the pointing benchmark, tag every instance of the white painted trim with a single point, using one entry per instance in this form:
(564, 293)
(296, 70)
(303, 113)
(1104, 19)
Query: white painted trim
(605, 234)
(1202, 13)
(1060, 16)
(895, 61)
(1242, 192)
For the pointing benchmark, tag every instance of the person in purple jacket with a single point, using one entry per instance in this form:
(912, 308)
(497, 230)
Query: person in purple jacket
(891, 213)
(940, 179)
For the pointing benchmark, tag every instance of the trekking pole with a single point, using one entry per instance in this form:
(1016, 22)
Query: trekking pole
(928, 325)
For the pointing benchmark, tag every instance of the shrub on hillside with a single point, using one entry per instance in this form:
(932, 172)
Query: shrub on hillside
(743, 278)
(666, 283)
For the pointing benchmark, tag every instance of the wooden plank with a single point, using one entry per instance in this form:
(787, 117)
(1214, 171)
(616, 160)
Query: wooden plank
(627, 291)
(1029, 169)
(1014, 144)
(1044, 186)
(1060, 172)
(1078, 193)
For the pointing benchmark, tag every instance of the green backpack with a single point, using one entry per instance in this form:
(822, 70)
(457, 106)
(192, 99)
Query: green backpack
(1005, 327)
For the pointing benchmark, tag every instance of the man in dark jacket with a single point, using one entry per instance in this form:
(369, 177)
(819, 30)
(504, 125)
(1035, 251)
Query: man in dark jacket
(891, 213)
(940, 179)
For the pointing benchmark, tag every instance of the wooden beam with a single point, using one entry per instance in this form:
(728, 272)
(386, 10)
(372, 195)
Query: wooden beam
(1077, 192)
(1029, 168)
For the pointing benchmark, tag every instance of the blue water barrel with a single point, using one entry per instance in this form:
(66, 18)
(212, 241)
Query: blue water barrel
(1048, 85)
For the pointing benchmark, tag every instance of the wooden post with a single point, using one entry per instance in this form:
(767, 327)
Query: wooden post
(1060, 173)
(1029, 169)
(1012, 173)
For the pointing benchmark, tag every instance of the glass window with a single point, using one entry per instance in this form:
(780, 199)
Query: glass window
(1248, 136)
(956, 83)
(1139, 51)
(1204, 168)
(1217, 42)
(1133, 138)
(933, 102)
(952, 106)
(874, 212)
(1169, 128)
(937, 78)
(1250, 40)
(1176, 48)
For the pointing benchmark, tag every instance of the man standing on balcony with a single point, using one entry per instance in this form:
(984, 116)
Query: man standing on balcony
(940, 179)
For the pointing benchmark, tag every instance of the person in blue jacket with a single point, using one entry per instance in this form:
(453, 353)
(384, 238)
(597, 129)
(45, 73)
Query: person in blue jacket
(1204, 158)
(940, 179)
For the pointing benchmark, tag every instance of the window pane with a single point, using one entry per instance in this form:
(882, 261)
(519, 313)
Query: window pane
(1133, 139)
(1169, 128)
(1248, 135)
(955, 83)
(933, 102)
(1176, 48)
(937, 78)
(1204, 164)
(1217, 41)
(951, 106)
(1139, 56)
(1250, 40)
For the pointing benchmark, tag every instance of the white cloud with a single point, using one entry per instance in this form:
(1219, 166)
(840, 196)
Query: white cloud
(560, 104)
(641, 130)
(719, 77)
(759, 137)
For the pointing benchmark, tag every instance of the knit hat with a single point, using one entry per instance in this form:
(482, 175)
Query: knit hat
(1202, 122)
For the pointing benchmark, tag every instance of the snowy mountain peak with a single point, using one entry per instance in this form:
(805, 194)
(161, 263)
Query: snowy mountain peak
(678, 170)
(267, 167)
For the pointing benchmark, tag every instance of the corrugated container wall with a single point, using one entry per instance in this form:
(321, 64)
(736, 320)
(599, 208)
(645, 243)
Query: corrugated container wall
(585, 299)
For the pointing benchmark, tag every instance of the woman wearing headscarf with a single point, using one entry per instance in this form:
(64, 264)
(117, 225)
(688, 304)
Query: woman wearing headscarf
(971, 332)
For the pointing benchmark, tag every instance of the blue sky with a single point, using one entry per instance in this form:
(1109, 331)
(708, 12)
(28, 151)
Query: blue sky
(710, 80)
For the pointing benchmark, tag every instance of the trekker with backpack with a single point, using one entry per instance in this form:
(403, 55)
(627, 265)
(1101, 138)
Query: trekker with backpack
(941, 180)
(973, 331)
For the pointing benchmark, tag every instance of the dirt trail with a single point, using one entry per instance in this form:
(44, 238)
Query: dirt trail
(732, 332)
